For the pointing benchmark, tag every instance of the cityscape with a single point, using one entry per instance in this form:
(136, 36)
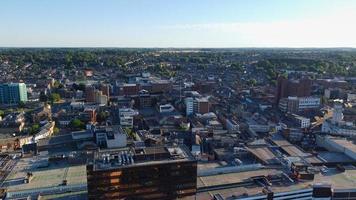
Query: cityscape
(207, 121)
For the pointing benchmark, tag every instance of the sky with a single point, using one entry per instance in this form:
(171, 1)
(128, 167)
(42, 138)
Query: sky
(178, 23)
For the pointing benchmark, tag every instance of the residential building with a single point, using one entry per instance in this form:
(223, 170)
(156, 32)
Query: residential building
(196, 105)
(13, 93)
(189, 106)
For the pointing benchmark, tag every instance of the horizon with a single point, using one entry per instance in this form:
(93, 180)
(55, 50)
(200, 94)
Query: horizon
(217, 48)
(177, 24)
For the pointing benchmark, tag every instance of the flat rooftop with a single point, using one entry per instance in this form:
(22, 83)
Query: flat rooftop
(228, 178)
(232, 183)
(127, 157)
(345, 143)
(334, 157)
(294, 151)
(43, 177)
(264, 154)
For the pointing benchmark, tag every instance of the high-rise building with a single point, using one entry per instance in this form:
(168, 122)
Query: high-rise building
(291, 87)
(131, 89)
(105, 88)
(90, 93)
(93, 95)
(196, 105)
(12, 93)
(338, 116)
(202, 105)
(142, 173)
(189, 106)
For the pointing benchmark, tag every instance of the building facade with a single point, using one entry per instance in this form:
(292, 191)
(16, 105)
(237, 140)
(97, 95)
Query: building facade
(288, 87)
(13, 93)
(149, 173)
(299, 104)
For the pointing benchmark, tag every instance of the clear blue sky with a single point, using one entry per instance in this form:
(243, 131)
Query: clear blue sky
(178, 23)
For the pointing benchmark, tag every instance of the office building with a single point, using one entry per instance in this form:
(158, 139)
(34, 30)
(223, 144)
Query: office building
(105, 89)
(126, 116)
(196, 105)
(90, 93)
(189, 106)
(291, 87)
(130, 89)
(13, 93)
(299, 104)
(142, 173)
(202, 105)
(337, 125)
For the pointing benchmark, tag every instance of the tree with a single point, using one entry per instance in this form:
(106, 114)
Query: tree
(76, 124)
(102, 116)
(130, 133)
(252, 82)
(55, 130)
(238, 67)
(2, 113)
(57, 84)
(55, 97)
(34, 129)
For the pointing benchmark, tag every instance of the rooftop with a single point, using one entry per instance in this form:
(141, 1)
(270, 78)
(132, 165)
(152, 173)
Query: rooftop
(44, 174)
(127, 157)
(241, 185)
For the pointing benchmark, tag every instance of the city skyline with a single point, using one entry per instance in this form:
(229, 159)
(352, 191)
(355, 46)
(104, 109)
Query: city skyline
(181, 24)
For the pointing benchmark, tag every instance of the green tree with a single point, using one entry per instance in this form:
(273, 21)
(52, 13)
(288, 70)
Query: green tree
(237, 66)
(76, 124)
(130, 133)
(34, 129)
(55, 130)
(55, 97)
(57, 84)
(252, 82)
(102, 116)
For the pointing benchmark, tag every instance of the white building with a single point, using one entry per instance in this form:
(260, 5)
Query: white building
(336, 125)
(338, 116)
(189, 104)
(302, 122)
(308, 102)
(126, 116)
(166, 108)
(351, 97)
(298, 104)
